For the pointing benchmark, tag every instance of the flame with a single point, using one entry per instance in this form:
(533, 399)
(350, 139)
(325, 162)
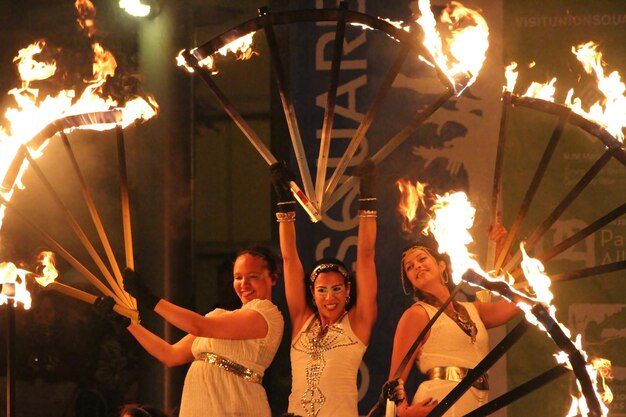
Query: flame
(86, 13)
(33, 111)
(410, 199)
(49, 272)
(609, 112)
(452, 218)
(13, 280)
(467, 43)
(240, 47)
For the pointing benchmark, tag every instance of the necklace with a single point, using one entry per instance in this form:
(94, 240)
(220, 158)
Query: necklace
(462, 318)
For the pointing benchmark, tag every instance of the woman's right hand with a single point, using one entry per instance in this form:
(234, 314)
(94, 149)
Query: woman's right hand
(420, 409)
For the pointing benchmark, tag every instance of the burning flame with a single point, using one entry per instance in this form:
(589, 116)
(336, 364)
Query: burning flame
(32, 112)
(452, 218)
(13, 282)
(466, 45)
(610, 112)
(410, 198)
(49, 272)
(240, 47)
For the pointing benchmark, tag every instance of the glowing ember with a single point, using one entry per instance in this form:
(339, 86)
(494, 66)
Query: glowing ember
(467, 43)
(240, 47)
(13, 280)
(410, 198)
(610, 112)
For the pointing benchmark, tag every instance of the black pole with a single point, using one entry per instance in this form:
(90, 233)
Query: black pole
(10, 337)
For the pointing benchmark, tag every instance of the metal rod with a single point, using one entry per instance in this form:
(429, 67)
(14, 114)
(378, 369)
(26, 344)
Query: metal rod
(288, 109)
(329, 110)
(65, 254)
(583, 233)
(125, 203)
(367, 121)
(74, 225)
(483, 366)
(497, 177)
(563, 205)
(90, 299)
(532, 189)
(93, 211)
(591, 271)
(553, 328)
(10, 346)
(391, 145)
(519, 392)
(250, 134)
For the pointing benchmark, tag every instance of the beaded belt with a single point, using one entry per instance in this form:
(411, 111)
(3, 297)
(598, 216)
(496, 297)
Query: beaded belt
(453, 373)
(231, 366)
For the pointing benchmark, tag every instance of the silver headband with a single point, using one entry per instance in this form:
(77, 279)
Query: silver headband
(328, 267)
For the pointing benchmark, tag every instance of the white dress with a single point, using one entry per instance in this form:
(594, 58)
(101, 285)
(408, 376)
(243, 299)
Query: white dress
(324, 370)
(448, 345)
(212, 391)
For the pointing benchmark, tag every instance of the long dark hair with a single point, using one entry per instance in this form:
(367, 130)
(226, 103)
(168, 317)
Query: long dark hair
(430, 245)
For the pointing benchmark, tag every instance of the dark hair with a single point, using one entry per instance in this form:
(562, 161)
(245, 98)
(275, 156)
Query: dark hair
(331, 265)
(272, 261)
(142, 410)
(430, 245)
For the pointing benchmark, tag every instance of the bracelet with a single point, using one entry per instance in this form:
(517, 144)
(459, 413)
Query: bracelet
(284, 203)
(288, 216)
(368, 213)
(368, 199)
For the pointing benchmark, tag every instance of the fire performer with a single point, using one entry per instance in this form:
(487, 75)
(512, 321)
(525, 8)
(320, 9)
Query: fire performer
(228, 350)
(329, 335)
(458, 339)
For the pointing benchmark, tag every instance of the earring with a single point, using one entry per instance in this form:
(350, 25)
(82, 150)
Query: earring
(348, 300)
(444, 277)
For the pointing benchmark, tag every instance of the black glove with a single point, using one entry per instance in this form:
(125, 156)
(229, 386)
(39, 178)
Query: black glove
(134, 285)
(280, 176)
(392, 390)
(367, 172)
(103, 306)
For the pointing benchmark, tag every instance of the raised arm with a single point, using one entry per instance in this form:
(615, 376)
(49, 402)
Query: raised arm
(364, 313)
(169, 354)
(295, 287)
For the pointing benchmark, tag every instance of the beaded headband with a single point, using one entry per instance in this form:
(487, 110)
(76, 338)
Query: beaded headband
(326, 267)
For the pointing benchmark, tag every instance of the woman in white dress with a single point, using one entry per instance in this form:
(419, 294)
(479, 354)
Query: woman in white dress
(456, 342)
(330, 335)
(228, 350)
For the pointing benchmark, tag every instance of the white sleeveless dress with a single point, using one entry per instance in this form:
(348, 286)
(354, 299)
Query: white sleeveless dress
(324, 371)
(212, 391)
(448, 345)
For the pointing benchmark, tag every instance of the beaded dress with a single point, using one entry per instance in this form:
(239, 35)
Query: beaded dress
(448, 345)
(210, 390)
(324, 362)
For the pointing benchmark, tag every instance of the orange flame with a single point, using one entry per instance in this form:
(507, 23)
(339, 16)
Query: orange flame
(86, 14)
(467, 43)
(32, 113)
(452, 218)
(49, 272)
(609, 112)
(410, 198)
(240, 47)
(13, 280)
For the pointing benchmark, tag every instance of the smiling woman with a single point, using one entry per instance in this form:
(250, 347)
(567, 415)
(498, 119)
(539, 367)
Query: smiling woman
(228, 350)
(330, 336)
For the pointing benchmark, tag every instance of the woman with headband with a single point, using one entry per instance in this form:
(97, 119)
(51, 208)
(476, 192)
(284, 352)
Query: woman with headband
(457, 341)
(330, 335)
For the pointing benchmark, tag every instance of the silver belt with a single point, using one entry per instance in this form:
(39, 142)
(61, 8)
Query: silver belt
(230, 366)
(453, 373)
